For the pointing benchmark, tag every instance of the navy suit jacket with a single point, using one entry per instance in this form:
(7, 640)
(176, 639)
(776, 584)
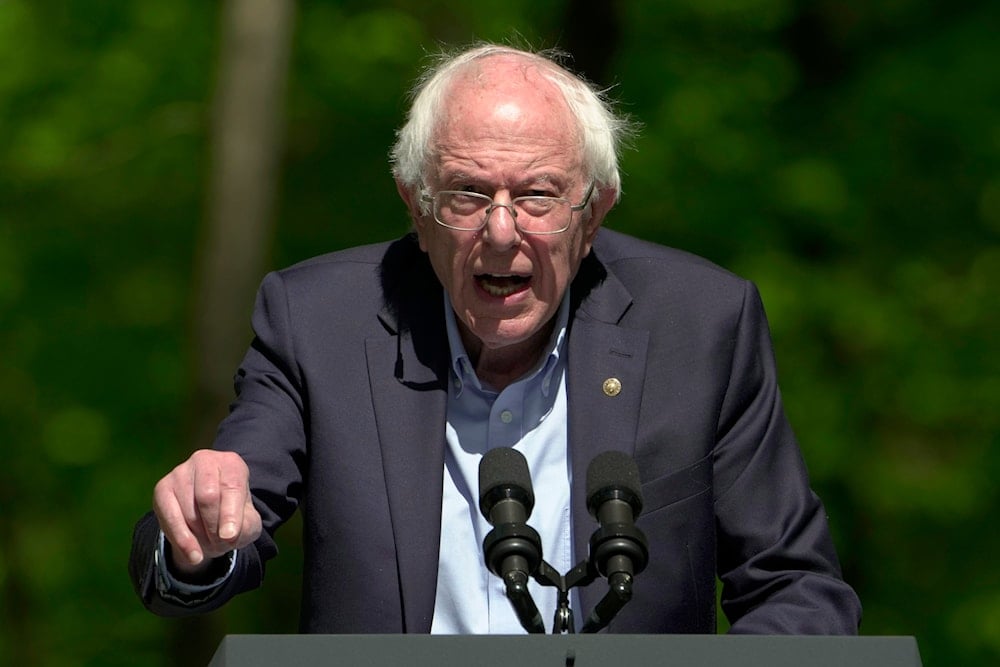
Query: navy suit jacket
(341, 413)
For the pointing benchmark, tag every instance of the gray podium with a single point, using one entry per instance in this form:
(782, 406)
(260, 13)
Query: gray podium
(566, 651)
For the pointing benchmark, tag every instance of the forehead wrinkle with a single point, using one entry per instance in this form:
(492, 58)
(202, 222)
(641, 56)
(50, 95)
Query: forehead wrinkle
(537, 170)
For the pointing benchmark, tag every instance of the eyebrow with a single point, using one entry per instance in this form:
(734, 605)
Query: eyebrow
(546, 177)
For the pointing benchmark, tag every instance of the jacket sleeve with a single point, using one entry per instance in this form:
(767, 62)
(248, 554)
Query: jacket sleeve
(776, 559)
(266, 427)
(149, 586)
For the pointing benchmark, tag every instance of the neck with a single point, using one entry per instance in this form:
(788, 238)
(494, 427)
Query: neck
(498, 367)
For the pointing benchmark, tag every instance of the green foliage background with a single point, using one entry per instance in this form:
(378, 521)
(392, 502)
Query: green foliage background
(841, 153)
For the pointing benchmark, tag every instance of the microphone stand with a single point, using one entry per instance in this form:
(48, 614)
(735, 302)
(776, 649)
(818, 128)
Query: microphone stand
(513, 551)
(584, 573)
(618, 551)
(546, 575)
(524, 606)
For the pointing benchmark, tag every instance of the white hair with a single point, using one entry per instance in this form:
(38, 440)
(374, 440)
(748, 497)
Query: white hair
(602, 132)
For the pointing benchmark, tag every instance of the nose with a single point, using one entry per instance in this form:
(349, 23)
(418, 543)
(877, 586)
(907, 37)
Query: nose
(501, 229)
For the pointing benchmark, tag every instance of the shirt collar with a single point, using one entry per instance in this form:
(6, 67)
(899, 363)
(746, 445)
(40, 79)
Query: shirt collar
(462, 367)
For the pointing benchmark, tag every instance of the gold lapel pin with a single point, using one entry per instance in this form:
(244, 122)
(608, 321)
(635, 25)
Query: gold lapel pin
(612, 387)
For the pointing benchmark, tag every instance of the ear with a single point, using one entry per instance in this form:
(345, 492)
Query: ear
(409, 198)
(412, 201)
(601, 204)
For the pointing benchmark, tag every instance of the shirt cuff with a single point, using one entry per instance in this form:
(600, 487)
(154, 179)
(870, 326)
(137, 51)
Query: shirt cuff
(183, 592)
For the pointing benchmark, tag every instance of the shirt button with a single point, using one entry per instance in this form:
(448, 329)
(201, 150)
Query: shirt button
(506, 417)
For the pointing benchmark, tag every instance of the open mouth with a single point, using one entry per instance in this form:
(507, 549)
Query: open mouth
(500, 285)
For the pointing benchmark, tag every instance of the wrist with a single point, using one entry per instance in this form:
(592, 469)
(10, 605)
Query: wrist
(207, 572)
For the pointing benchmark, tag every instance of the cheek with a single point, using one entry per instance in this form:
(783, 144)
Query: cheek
(565, 258)
(447, 258)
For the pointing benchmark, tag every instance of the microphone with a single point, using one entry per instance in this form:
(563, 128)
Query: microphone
(513, 549)
(505, 493)
(618, 549)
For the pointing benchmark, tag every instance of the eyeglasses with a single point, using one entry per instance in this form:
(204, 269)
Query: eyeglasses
(470, 211)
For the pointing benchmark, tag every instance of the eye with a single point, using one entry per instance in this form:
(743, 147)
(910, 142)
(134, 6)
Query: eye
(469, 187)
(543, 187)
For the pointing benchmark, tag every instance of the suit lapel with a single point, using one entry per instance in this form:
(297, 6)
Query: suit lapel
(408, 376)
(607, 366)
(410, 420)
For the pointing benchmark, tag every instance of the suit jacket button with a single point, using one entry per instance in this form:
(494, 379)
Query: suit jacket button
(612, 387)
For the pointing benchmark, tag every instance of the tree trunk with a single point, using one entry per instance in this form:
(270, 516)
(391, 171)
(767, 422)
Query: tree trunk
(246, 137)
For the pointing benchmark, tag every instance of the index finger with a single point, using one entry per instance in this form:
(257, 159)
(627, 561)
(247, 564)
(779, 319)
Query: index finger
(226, 488)
(235, 494)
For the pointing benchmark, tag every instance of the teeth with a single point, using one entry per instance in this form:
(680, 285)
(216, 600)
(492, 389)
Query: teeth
(501, 285)
(497, 290)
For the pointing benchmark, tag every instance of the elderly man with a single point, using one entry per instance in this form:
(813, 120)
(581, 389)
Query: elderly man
(379, 376)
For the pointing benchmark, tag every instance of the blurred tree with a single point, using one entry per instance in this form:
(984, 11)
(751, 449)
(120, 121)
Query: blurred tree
(248, 122)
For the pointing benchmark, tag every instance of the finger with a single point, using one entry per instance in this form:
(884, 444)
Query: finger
(207, 498)
(175, 526)
(233, 502)
(221, 490)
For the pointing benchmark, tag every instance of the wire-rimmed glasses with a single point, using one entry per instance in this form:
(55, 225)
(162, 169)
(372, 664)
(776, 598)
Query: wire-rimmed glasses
(470, 211)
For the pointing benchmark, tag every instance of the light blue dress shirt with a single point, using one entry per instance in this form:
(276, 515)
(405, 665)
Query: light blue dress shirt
(530, 416)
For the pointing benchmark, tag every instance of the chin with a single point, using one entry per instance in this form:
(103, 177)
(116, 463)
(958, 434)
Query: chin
(505, 337)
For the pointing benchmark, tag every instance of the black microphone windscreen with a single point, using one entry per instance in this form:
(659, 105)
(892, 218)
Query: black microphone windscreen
(504, 468)
(614, 473)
